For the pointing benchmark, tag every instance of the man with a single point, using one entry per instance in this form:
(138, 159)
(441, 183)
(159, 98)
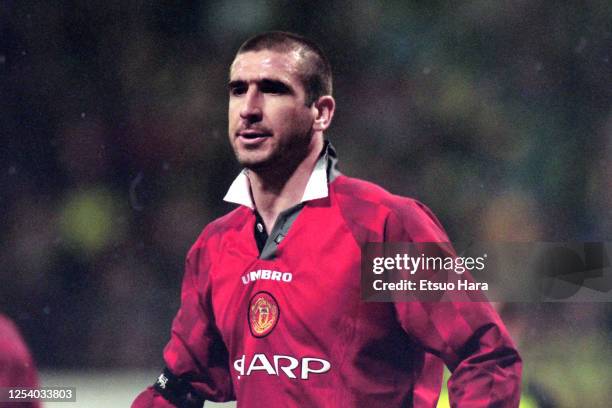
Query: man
(271, 313)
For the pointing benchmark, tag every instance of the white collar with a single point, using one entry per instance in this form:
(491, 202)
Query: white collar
(240, 190)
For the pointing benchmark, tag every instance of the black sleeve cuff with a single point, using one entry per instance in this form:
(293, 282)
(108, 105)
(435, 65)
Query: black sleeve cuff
(178, 391)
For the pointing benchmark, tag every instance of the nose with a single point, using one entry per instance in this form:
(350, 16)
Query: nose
(251, 110)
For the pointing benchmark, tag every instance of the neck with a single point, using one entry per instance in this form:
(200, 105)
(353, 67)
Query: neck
(277, 189)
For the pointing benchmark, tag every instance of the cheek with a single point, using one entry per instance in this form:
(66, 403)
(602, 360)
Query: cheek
(292, 118)
(232, 109)
(302, 120)
(233, 115)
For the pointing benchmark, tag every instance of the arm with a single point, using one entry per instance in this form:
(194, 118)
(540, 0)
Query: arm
(468, 336)
(474, 344)
(197, 367)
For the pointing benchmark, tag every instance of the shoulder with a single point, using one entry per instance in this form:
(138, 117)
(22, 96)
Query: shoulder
(368, 192)
(14, 354)
(215, 230)
(364, 204)
(16, 364)
(12, 345)
(363, 195)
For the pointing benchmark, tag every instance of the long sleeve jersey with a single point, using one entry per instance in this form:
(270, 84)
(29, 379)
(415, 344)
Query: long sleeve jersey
(285, 326)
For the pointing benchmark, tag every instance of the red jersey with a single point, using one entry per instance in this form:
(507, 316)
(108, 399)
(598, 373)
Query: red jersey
(17, 369)
(288, 329)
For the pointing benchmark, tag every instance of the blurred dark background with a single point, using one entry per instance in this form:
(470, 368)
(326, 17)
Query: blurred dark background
(114, 152)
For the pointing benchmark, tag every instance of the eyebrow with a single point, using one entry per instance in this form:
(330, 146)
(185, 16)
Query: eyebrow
(265, 82)
(235, 84)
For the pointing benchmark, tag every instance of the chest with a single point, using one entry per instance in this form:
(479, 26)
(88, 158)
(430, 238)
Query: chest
(308, 289)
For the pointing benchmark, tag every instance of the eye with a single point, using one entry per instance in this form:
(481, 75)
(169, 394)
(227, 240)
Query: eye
(237, 88)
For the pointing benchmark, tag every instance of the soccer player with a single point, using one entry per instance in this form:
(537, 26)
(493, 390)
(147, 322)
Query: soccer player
(17, 370)
(271, 314)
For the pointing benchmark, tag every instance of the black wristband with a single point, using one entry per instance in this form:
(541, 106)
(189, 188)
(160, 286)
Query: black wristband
(178, 391)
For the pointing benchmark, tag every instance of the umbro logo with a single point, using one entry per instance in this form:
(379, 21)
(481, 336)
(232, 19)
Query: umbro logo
(265, 274)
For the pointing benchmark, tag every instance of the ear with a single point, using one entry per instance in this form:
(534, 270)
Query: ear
(323, 109)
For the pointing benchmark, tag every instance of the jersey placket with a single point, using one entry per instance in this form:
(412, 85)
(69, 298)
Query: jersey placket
(268, 244)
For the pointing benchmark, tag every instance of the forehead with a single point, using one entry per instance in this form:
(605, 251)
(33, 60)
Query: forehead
(269, 64)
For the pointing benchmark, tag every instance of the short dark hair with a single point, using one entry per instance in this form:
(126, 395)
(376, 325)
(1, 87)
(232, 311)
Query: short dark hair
(316, 69)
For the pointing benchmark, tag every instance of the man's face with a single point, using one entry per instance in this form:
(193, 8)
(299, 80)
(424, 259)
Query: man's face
(269, 123)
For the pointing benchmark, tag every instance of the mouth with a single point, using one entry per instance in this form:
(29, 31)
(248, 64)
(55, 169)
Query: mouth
(251, 136)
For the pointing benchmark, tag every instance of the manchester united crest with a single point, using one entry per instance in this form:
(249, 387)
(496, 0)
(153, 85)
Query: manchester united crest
(263, 314)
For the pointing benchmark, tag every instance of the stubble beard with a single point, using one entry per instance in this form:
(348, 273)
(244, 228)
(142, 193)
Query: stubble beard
(282, 158)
